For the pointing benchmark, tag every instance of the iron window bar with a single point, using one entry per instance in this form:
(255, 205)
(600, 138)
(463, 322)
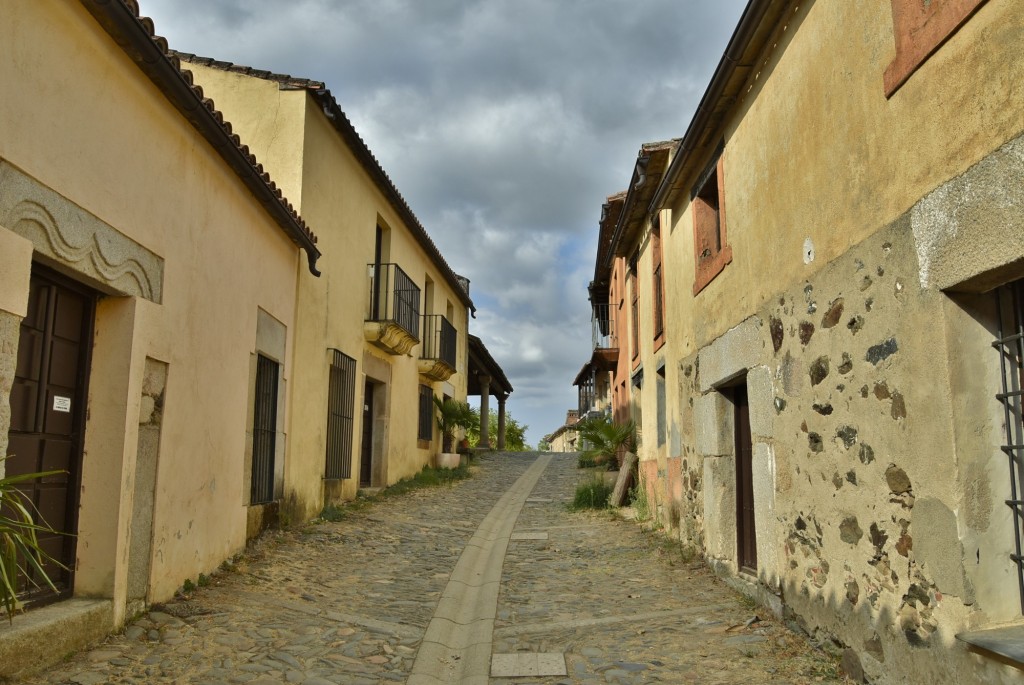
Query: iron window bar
(341, 396)
(425, 424)
(1010, 309)
(264, 431)
(394, 297)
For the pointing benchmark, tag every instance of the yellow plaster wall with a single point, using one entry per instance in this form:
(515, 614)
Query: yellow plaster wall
(77, 115)
(340, 199)
(815, 150)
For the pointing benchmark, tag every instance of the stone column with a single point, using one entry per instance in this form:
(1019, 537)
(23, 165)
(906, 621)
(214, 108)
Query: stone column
(501, 420)
(485, 410)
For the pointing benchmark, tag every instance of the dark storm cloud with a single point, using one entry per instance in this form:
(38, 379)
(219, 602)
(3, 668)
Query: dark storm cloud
(504, 123)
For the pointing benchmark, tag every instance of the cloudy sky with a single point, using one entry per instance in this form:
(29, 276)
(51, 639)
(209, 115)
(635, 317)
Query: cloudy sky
(504, 123)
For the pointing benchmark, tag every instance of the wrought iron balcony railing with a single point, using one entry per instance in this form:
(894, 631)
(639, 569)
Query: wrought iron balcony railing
(437, 355)
(603, 328)
(393, 312)
(439, 338)
(394, 298)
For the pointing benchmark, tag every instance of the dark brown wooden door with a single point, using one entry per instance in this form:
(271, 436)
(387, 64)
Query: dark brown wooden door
(366, 460)
(746, 532)
(48, 414)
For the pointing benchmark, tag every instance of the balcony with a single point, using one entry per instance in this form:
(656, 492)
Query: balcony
(603, 328)
(437, 358)
(393, 312)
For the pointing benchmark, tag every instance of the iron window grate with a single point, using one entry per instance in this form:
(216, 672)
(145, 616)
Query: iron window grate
(264, 431)
(426, 415)
(341, 401)
(1010, 344)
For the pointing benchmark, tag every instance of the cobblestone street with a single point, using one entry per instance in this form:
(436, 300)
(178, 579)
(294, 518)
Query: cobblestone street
(351, 601)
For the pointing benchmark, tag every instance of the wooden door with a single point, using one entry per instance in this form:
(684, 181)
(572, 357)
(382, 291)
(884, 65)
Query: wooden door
(48, 415)
(746, 532)
(366, 460)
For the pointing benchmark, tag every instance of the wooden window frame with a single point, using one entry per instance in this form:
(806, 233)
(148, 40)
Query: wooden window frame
(711, 249)
(920, 28)
(657, 286)
(634, 297)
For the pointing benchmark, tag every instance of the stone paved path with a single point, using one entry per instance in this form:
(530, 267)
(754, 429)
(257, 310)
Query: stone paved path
(350, 602)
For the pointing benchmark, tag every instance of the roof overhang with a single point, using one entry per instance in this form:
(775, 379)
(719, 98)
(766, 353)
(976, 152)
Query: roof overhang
(338, 120)
(603, 359)
(752, 35)
(135, 35)
(651, 165)
(481, 363)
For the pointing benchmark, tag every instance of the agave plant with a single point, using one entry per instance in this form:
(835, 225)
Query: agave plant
(604, 439)
(20, 552)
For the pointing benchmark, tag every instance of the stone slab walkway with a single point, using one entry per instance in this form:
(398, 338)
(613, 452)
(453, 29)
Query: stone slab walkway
(360, 601)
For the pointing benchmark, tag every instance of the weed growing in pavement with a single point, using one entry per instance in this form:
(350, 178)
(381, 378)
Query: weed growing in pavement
(333, 513)
(591, 494)
(428, 477)
(638, 495)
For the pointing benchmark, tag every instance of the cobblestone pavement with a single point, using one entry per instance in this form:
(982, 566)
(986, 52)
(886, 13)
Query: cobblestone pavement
(349, 602)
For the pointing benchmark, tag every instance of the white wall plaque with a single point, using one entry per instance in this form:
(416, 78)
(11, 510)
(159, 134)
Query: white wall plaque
(62, 404)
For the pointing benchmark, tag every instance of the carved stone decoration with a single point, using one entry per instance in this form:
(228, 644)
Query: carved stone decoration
(435, 369)
(70, 236)
(389, 336)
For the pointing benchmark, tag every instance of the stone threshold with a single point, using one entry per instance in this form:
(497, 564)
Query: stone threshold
(1004, 644)
(42, 637)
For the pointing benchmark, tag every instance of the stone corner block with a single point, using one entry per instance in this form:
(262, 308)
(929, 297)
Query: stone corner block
(737, 350)
(712, 421)
(761, 395)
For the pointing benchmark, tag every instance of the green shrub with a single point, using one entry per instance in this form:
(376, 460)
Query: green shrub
(585, 461)
(591, 494)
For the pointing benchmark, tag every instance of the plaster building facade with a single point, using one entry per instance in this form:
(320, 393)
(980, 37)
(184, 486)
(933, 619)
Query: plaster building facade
(148, 275)
(386, 326)
(831, 410)
(566, 437)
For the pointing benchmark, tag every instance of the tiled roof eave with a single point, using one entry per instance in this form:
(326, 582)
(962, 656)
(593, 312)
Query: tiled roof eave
(136, 36)
(341, 123)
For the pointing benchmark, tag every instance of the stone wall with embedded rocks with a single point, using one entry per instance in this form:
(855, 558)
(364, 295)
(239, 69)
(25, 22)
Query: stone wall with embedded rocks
(869, 530)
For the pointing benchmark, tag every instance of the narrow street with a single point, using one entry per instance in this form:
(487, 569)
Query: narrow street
(491, 580)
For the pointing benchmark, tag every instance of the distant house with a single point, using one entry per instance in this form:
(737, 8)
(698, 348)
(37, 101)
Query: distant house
(823, 304)
(566, 437)
(148, 276)
(385, 328)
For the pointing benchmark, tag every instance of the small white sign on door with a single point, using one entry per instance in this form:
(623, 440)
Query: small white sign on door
(62, 404)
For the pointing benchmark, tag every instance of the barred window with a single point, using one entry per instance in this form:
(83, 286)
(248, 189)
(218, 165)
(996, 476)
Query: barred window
(1010, 344)
(341, 396)
(426, 419)
(264, 431)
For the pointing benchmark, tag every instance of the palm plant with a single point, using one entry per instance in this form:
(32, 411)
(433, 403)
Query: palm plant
(451, 415)
(20, 552)
(604, 439)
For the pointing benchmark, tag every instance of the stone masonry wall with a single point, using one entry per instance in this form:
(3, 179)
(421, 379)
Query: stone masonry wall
(864, 533)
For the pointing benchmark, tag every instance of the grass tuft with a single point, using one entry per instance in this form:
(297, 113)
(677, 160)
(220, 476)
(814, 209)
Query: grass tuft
(591, 494)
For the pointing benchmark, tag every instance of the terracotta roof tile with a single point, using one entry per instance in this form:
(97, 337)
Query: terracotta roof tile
(137, 37)
(341, 123)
